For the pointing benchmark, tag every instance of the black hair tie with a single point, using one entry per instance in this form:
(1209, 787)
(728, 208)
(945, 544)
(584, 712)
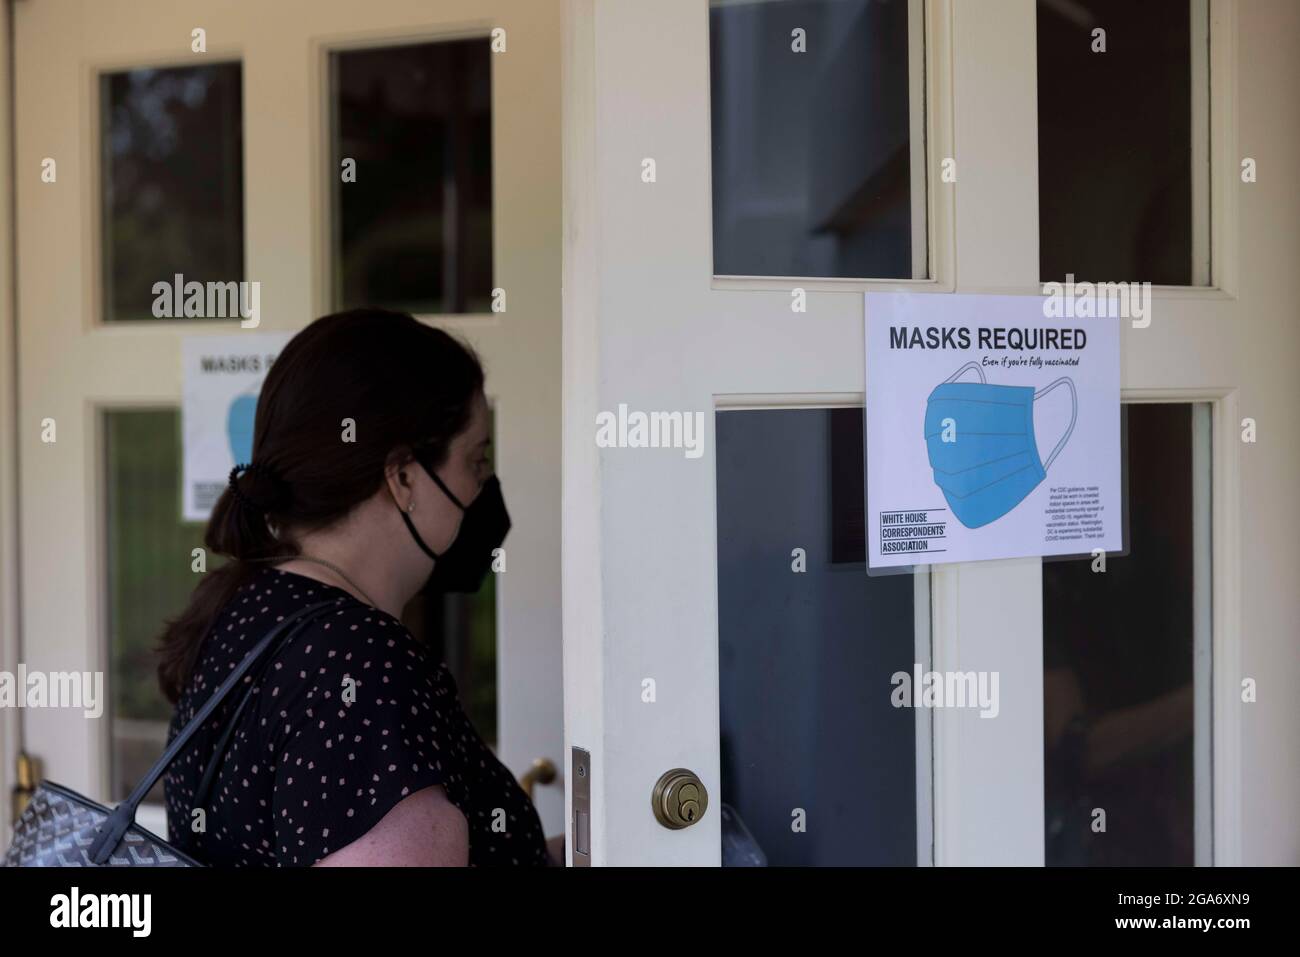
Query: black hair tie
(244, 500)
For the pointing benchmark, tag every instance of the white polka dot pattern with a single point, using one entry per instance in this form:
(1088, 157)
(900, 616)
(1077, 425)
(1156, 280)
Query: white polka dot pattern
(306, 772)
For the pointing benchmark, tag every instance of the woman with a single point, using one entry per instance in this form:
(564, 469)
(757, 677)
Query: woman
(369, 461)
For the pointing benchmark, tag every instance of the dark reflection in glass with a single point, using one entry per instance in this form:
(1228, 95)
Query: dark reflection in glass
(461, 630)
(1115, 141)
(805, 658)
(1118, 683)
(811, 150)
(172, 182)
(414, 231)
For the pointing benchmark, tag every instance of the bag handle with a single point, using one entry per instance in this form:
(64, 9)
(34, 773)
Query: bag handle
(219, 753)
(123, 816)
(210, 772)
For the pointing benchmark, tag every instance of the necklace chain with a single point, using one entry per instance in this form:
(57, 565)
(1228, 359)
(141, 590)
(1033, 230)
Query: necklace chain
(330, 565)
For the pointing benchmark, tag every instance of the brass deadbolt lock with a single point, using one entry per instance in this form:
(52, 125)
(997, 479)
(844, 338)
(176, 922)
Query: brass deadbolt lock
(679, 799)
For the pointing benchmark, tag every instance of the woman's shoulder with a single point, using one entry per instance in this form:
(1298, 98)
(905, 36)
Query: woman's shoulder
(361, 639)
(356, 652)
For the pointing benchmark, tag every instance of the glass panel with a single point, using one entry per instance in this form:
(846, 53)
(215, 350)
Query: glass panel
(149, 580)
(812, 151)
(1115, 149)
(414, 230)
(172, 183)
(1125, 657)
(461, 630)
(806, 657)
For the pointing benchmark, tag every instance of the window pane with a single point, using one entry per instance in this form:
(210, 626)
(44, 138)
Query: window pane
(805, 657)
(149, 580)
(172, 182)
(1115, 150)
(1121, 653)
(461, 630)
(414, 231)
(812, 151)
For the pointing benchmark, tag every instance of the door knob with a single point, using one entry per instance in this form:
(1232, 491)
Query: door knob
(542, 771)
(679, 799)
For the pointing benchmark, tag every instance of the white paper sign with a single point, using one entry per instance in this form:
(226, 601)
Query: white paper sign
(220, 380)
(992, 431)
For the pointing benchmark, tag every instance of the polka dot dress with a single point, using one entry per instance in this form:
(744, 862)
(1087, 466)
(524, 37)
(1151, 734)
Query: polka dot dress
(308, 772)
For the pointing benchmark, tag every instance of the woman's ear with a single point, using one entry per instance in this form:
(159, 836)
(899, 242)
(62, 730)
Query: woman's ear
(397, 475)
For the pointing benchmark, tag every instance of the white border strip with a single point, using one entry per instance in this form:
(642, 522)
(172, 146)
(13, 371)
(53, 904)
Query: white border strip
(1202, 633)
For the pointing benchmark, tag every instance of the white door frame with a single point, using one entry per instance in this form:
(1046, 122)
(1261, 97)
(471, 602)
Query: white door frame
(73, 365)
(10, 727)
(646, 324)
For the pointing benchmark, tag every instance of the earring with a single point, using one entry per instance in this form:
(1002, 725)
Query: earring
(410, 507)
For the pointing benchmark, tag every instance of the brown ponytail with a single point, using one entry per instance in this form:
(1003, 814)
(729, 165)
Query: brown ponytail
(398, 381)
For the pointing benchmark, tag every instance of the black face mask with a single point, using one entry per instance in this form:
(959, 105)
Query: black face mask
(483, 527)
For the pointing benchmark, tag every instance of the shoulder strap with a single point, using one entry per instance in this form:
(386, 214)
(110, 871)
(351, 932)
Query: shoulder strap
(219, 752)
(123, 815)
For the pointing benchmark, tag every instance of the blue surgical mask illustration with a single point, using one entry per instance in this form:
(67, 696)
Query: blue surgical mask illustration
(239, 427)
(980, 438)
